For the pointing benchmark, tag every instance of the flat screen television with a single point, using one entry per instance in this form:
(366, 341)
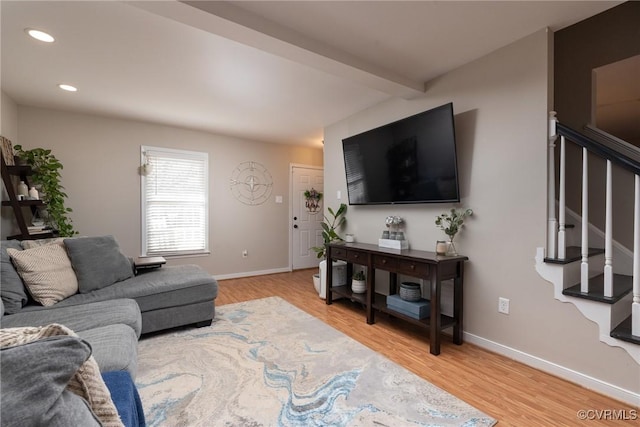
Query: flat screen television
(412, 160)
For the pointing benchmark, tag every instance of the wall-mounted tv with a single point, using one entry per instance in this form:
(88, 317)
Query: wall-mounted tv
(412, 160)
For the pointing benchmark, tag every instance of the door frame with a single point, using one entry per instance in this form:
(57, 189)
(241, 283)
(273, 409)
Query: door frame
(291, 199)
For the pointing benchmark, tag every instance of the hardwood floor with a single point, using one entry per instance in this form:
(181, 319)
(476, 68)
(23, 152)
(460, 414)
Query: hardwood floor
(512, 393)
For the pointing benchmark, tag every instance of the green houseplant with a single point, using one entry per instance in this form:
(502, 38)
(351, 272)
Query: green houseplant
(329, 227)
(46, 174)
(451, 223)
(358, 282)
(359, 275)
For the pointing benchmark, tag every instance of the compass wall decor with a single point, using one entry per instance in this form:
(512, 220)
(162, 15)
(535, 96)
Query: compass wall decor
(251, 183)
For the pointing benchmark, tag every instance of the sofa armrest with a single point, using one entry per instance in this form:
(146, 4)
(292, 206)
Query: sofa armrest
(80, 317)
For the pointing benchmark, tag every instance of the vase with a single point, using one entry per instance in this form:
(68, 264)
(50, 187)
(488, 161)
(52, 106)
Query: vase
(451, 248)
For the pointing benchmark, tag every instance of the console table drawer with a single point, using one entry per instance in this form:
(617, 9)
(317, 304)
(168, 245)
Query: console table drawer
(357, 257)
(339, 253)
(413, 268)
(384, 262)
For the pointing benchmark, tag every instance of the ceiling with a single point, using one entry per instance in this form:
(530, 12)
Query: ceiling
(259, 70)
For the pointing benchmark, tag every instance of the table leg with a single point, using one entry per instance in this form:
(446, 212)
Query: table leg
(457, 304)
(434, 324)
(371, 292)
(329, 282)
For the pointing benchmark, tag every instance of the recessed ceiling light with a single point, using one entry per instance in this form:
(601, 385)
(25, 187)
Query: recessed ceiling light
(40, 35)
(68, 88)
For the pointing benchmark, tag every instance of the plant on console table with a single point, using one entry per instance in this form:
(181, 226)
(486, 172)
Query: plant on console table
(359, 282)
(451, 223)
(46, 174)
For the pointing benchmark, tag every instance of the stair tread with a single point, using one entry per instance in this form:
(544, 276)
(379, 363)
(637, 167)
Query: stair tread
(623, 332)
(622, 285)
(572, 254)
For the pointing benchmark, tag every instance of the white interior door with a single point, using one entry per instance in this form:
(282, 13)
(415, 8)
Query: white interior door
(306, 228)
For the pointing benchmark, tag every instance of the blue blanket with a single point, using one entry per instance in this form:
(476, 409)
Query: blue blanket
(126, 398)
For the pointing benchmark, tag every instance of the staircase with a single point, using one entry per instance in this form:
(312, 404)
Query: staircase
(579, 258)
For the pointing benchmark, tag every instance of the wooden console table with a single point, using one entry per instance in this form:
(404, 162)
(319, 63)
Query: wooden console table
(420, 264)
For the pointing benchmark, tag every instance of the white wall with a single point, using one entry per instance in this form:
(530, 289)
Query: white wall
(101, 157)
(501, 103)
(8, 129)
(9, 118)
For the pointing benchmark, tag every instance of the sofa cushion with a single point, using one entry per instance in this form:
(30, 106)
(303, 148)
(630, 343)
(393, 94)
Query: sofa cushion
(12, 291)
(35, 393)
(86, 381)
(115, 348)
(46, 272)
(97, 262)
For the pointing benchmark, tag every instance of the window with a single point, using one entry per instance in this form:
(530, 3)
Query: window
(175, 199)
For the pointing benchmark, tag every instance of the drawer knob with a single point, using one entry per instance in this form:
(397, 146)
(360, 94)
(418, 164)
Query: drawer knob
(384, 261)
(413, 266)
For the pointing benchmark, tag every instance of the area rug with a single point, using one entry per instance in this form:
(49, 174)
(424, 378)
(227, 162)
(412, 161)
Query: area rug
(266, 363)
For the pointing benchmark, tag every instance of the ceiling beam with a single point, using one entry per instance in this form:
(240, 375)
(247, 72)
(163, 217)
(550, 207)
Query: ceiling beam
(232, 22)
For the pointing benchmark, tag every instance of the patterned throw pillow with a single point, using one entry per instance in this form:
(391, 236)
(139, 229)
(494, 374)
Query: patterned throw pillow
(46, 272)
(30, 244)
(87, 381)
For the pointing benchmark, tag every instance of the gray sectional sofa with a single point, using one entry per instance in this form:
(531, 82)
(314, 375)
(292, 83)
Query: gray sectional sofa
(111, 307)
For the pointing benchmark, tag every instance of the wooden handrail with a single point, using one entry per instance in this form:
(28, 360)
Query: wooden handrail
(604, 146)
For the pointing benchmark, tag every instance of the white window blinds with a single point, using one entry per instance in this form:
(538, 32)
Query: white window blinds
(174, 202)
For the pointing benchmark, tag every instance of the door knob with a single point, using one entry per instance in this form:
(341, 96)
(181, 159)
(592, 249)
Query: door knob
(295, 218)
(295, 226)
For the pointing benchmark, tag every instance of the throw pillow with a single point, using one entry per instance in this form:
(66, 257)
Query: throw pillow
(98, 262)
(86, 381)
(30, 244)
(12, 291)
(34, 379)
(46, 272)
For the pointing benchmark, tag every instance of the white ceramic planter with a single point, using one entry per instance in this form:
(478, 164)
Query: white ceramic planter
(358, 286)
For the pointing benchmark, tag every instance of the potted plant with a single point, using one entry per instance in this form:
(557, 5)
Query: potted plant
(451, 223)
(359, 282)
(329, 227)
(333, 222)
(46, 174)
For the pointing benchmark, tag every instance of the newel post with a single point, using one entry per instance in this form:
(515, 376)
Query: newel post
(635, 308)
(552, 222)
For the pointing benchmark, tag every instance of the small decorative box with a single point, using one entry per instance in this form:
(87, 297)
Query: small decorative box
(393, 244)
(416, 309)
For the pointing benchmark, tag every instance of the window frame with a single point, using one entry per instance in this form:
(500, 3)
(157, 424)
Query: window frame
(173, 153)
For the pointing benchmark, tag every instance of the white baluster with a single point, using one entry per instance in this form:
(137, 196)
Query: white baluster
(552, 222)
(562, 246)
(584, 266)
(635, 308)
(608, 237)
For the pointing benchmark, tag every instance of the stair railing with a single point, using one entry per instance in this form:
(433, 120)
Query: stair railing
(613, 151)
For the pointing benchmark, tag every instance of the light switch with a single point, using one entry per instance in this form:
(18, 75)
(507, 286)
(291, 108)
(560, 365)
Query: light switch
(278, 199)
(339, 195)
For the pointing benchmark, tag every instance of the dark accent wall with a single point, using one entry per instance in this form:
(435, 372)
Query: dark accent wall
(608, 37)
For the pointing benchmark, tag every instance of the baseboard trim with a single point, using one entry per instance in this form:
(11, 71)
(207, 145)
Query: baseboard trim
(251, 273)
(586, 381)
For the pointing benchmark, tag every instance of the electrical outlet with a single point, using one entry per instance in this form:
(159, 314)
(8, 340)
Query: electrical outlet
(503, 305)
(245, 253)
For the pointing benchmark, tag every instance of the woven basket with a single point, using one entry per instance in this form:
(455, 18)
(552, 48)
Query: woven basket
(410, 291)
